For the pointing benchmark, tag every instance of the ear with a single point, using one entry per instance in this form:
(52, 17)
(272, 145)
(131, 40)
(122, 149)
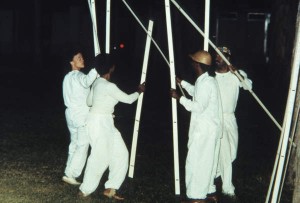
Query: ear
(112, 69)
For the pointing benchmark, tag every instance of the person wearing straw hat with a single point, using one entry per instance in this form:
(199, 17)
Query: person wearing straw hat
(229, 86)
(205, 127)
(76, 87)
(108, 149)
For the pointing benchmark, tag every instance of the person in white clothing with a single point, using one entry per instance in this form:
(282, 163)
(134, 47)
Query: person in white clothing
(76, 87)
(108, 149)
(204, 130)
(229, 86)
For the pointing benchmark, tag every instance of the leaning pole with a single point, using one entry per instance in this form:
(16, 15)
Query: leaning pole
(139, 103)
(288, 113)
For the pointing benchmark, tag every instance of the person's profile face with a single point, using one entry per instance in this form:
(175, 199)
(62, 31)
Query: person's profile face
(194, 65)
(78, 61)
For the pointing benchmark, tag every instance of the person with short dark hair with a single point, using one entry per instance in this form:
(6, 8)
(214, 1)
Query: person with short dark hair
(204, 130)
(229, 86)
(108, 149)
(76, 87)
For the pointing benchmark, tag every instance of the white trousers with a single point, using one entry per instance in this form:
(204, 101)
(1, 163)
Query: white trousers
(108, 150)
(78, 148)
(228, 152)
(212, 187)
(200, 162)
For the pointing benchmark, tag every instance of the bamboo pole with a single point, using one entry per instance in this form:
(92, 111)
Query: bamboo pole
(206, 24)
(92, 9)
(139, 103)
(288, 112)
(293, 134)
(174, 102)
(107, 41)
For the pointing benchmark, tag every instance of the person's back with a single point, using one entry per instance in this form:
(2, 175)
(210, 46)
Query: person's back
(105, 95)
(102, 102)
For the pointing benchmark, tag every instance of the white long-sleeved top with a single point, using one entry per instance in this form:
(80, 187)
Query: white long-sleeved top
(104, 95)
(76, 88)
(205, 103)
(229, 86)
(75, 91)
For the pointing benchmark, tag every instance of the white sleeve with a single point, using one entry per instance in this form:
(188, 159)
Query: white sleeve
(87, 80)
(247, 83)
(188, 87)
(198, 104)
(89, 99)
(121, 96)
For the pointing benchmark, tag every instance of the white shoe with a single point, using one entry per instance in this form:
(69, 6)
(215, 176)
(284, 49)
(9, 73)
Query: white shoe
(71, 181)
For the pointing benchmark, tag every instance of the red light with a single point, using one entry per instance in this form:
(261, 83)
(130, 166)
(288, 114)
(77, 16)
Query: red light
(122, 46)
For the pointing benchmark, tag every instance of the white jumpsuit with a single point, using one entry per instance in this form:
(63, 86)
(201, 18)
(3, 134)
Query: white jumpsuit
(75, 91)
(108, 149)
(204, 133)
(229, 86)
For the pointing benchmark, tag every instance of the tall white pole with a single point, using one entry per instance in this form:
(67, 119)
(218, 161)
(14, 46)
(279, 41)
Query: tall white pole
(174, 103)
(288, 113)
(107, 41)
(206, 24)
(92, 8)
(139, 103)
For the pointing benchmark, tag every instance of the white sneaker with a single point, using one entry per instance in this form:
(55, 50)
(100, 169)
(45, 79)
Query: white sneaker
(71, 181)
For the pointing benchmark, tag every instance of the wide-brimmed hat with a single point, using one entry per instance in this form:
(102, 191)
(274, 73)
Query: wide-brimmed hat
(201, 57)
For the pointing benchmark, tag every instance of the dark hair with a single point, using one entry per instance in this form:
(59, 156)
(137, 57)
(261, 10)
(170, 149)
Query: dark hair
(72, 51)
(103, 63)
(208, 69)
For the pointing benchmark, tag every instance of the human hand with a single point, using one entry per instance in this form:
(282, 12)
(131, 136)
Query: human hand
(178, 80)
(174, 94)
(232, 68)
(141, 88)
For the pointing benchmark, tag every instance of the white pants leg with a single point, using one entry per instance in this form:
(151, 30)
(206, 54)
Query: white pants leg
(228, 152)
(106, 142)
(99, 138)
(212, 187)
(118, 164)
(225, 166)
(72, 147)
(199, 164)
(79, 155)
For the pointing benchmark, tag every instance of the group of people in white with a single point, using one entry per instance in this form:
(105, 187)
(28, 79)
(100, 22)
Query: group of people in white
(213, 133)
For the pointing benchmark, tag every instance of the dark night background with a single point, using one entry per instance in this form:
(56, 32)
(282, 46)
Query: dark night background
(35, 36)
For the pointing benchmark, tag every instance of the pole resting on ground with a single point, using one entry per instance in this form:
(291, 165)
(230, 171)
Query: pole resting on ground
(174, 102)
(139, 103)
